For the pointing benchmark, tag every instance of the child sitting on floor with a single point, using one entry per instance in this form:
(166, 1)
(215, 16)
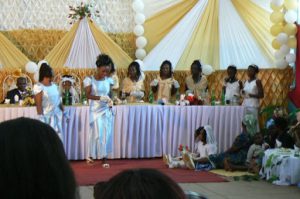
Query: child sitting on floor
(255, 153)
(205, 145)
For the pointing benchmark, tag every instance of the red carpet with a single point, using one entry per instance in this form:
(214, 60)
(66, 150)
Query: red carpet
(90, 174)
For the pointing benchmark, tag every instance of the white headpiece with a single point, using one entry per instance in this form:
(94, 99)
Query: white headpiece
(69, 78)
(210, 139)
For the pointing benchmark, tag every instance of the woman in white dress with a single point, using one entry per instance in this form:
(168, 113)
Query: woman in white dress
(133, 85)
(98, 88)
(47, 100)
(232, 86)
(196, 83)
(205, 145)
(165, 85)
(252, 92)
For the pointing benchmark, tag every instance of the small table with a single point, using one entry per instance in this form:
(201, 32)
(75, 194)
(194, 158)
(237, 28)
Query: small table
(281, 164)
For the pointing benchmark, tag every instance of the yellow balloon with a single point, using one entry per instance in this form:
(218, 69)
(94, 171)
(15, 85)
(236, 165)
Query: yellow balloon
(292, 42)
(276, 8)
(276, 45)
(276, 29)
(290, 4)
(290, 29)
(276, 17)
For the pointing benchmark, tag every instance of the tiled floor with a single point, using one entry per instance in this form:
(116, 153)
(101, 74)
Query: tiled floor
(230, 190)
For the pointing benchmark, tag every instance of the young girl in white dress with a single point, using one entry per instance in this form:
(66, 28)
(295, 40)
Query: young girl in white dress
(232, 86)
(98, 88)
(47, 100)
(205, 145)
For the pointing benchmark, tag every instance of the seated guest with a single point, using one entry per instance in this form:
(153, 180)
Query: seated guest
(18, 93)
(67, 85)
(295, 131)
(165, 85)
(283, 139)
(232, 86)
(33, 162)
(236, 154)
(133, 85)
(255, 153)
(205, 145)
(196, 83)
(139, 183)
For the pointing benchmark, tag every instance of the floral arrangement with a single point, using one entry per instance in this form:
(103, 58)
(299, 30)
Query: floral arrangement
(81, 11)
(183, 148)
(27, 97)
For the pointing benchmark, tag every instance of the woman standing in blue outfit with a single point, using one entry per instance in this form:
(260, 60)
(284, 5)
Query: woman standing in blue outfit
(98, 88)
(47, 99)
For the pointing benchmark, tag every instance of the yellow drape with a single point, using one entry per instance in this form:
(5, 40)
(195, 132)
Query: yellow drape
(59, 54)
(108, 46)
(10, 56)
(204, 43)
(161, 23)
(258, 21)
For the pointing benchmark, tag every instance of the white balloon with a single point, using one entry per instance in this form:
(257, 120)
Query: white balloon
(284, 49)
(282, 64)
(36, 77)
(141, 42)
(31, 67)
(282, 38)
(290, 58)
(140, 53)
(207, 69)
(278, 55)
(277, 2)
(138, 6)
(290, 16)
(139, 18)
(138, 30)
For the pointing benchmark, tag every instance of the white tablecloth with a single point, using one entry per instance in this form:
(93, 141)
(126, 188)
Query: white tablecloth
(145, 130)
(282, 165)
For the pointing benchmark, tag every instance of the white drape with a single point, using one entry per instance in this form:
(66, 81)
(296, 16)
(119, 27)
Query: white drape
(265, 4)
(172, 46)
(85, 50)
(237, 45)
(154, 6)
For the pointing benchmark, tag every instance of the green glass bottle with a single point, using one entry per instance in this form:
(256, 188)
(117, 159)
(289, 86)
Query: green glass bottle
(177, 95)
(151, 97)
(223, 98)
(213, 98)
(83, 97)
(67, 98)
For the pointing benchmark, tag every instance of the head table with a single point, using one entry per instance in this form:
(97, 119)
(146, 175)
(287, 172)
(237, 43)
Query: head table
(144, 130)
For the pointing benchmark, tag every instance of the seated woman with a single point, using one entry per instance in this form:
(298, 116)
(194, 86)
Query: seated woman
(295, 132)
(133, 85)
(205, 145)
(165, 85)
(237, 153)
(196, 83)
(232, 86)
(67, 85)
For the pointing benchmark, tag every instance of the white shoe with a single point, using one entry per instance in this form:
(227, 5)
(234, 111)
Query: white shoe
(166, 159)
